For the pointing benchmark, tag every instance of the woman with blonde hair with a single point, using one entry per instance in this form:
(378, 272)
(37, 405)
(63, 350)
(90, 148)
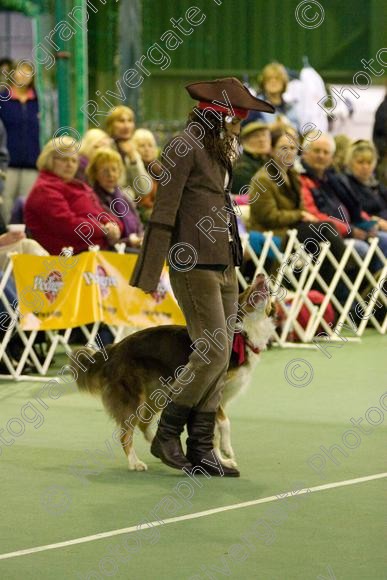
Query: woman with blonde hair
(145, 143)
(92, 140)
(120, 126)
(104, 172)
(273, 81)
(361, 163)
(343, 144)
(63, 211)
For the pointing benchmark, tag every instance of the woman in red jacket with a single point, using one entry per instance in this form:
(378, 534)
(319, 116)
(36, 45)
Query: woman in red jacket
(62, 211)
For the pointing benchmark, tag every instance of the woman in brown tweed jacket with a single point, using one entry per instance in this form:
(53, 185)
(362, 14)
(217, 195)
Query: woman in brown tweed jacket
(193, 222)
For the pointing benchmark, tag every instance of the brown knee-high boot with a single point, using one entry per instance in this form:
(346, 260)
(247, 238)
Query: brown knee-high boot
(200, 426)
(166, 444)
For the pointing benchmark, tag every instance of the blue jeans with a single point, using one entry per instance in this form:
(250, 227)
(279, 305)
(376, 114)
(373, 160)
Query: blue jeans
(361, 246)
(9, 291)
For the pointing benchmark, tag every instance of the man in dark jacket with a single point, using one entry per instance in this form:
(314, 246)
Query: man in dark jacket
(380, 139)
(329, 192)
(380, 128)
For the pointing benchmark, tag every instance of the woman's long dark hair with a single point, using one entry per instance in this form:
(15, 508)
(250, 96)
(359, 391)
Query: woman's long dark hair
(221, 150)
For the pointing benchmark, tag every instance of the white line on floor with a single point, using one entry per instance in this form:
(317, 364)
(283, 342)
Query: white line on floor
(193, 516)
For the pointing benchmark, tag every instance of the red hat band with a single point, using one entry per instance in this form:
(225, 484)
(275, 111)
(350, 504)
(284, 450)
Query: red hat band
(241, 113)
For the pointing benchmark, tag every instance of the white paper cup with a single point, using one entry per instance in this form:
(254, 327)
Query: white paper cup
(16, 228)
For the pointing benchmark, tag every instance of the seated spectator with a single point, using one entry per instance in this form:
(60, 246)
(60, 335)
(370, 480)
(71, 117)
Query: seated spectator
(62, 211)
(278, 208)
(256, 143)
(145, 143)
(343, 143)
(104, 172)
(327, 196)
(274, 81)
(276, 205)
(92, 140)
(361, 163)
(120, 126)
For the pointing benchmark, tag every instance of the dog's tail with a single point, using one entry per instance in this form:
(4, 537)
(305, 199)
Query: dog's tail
(88, 366)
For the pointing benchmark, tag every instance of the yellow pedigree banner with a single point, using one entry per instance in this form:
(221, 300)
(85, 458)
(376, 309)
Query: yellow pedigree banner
(56, 292)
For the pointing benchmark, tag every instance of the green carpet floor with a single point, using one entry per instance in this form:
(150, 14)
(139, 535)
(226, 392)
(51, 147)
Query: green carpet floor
(278, 430)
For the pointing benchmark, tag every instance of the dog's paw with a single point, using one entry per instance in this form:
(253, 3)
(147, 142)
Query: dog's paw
(138, 466)
(226, 461)
(229, 463)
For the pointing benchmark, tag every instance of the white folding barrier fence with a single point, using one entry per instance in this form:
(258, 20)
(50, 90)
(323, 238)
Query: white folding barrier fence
(290, 284)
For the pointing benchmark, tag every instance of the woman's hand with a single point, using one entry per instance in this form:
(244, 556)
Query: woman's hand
(11, 238)
(308, 217)
(135, 240)
(382, 225)
(128, 148)
(112, 232)
(359, 234)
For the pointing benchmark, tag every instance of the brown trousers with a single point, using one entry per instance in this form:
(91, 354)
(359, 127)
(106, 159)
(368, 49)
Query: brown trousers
(208, 300)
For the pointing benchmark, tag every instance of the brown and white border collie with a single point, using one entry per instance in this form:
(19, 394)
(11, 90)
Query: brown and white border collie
(128, 377)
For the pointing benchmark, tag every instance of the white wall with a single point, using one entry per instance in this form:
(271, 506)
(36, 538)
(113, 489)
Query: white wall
(360, 125)
(15, 35)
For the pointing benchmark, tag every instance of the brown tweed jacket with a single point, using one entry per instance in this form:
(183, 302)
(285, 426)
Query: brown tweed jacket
(189, 212)
(276, 207)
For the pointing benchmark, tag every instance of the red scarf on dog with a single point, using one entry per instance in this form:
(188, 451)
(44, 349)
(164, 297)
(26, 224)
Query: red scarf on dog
(239, 345)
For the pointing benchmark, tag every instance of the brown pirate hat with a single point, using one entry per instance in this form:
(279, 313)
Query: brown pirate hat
(227, 91)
